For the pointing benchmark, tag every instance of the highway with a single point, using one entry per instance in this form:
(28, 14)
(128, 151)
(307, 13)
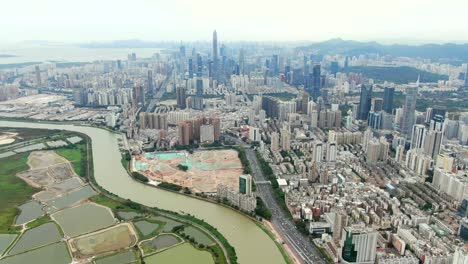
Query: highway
(304, 249)
(299, 243)
(159, 93)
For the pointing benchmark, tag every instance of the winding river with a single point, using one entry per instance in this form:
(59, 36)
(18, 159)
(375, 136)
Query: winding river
(251, 243)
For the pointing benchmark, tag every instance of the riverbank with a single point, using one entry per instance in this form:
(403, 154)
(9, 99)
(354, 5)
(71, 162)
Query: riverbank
(228, 251)
(251, 243)
(267, 227)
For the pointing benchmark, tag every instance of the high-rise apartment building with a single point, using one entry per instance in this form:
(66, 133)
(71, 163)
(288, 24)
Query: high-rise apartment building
(359, 245)
(365, 102)
(389, 93)
(215, 69)
(185, 131)
(408, 110)
(316, 82)
(38, 76)
(417, 136)
(181, 97)
(150, 82)
(245, 184)
(274, 141)
(285, 138)
(432, 142)
(206, 133)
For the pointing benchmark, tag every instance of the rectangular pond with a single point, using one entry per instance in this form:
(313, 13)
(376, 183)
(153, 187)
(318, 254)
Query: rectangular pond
(5, 241)
(52, 254)
(109, 240)
(198, 235)
(124, 257)
(29, 211)
(39, 236)
(84, 219)
(70, 198)
(180, 254)
(145, 227)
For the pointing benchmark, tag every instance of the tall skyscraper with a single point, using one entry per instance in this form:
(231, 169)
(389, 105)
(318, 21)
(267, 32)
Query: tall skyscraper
(139, 95)
(181, 97)
(408, 110)
(215, 56)
(185, 131)
(285, 138)
(199, 65)
(271, 106)
(432, 143)
(190, 68)
(375, 120)
(241, 61)
(216, 122)
(182, 51)
(206, 133)
(417, 136)
(38, 76)
(359, 245)
(150, 82)
(376, 104)
(341, 220)
(317, 153)
(245, 184)
(143, 123)
(334, 67)
(331, 151)
(437, 123)
(389, 93)
(199, 87)
(316, 82)
(197, 101)
(254, 134)
(275, 65)
(274, 141)
(365, 102)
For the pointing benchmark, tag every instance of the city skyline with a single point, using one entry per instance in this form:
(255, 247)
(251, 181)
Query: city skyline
(209, 132)
(387, 22)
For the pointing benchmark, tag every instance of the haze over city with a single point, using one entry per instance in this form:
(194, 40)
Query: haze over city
(390, 21)
(227, 132)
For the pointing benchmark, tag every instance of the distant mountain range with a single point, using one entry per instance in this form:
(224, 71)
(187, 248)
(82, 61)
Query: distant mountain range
(7, 56)
(453, 53)
(450, 53)
(130, 43)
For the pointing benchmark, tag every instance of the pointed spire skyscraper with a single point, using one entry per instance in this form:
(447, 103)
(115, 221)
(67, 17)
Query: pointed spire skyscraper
(215, 55)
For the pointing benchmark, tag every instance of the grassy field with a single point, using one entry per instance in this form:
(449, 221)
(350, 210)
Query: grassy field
(113, 205)
(30, 133)
(38, 222)
(445, 100)
(14, 191)
(77, 156)
(398, 75)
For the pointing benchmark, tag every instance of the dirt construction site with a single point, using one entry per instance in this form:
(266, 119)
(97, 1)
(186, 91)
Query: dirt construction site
(200, 171)
(46, 168)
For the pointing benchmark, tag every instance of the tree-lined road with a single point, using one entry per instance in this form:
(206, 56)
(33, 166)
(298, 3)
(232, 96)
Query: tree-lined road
(299, 243)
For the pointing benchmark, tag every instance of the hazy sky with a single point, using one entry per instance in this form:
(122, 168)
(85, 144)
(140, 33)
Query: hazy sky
(285, 20)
